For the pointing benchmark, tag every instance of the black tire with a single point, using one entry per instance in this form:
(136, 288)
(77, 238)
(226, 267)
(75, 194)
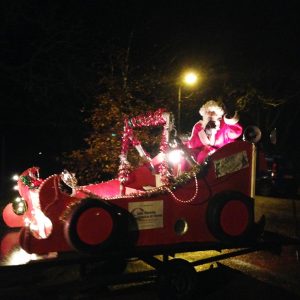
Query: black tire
(177, 280)
(87, 237)
(230, 216)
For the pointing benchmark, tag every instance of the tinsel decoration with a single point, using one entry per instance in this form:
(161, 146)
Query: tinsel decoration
(124, 169)
(128, 138)
(149, 119)
(31, 182)
(164, 167)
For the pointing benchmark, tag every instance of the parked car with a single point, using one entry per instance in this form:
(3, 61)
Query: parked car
(276, 176)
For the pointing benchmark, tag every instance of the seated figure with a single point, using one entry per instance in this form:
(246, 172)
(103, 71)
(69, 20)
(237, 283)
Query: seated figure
(213, 131)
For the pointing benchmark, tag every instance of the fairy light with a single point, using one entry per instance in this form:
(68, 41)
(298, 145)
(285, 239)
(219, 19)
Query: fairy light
(15, 177)
(189, 200)
(27, 222)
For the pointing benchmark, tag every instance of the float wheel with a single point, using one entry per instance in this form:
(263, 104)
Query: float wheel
(177, 280)
(230, 216)
(92, 226)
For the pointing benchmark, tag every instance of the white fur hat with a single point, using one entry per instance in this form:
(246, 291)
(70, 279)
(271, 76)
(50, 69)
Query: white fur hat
(211, 105)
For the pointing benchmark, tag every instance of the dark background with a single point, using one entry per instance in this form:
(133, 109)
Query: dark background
(50, 62)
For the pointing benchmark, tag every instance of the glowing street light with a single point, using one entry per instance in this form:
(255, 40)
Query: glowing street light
(189, 78)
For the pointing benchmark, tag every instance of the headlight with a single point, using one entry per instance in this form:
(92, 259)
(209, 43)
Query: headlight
(19, 206)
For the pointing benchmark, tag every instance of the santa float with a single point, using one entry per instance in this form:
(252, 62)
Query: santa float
(213, 131)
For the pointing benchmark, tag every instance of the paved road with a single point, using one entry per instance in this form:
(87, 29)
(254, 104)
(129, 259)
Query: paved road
(259, 275)
(283, 270)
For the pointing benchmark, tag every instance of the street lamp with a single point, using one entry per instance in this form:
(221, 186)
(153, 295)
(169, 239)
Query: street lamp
(189, 78)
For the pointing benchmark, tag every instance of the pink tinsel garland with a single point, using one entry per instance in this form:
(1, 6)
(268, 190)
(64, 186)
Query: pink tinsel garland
(149, 119)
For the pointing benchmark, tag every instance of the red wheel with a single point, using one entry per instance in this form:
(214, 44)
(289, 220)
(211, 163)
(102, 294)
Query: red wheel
(230, 216)
(234, 218)
(92, 226)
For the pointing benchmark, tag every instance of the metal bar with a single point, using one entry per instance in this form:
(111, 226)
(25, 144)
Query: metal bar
(179, 110)
(224, 256)
(152, 261)
(253, 171)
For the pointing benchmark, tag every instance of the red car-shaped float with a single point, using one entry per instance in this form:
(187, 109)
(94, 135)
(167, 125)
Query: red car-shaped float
(154, 206)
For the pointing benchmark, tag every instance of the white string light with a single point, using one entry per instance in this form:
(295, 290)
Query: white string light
(191, 199)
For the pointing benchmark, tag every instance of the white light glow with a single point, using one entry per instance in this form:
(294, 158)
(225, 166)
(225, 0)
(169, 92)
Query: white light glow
(40, 226)
(26, 222)
(20, 210)
(15, 177)
(190, 78)
(175, 156)
(18, 257)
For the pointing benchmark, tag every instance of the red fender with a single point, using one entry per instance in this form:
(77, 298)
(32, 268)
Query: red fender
(10, 218)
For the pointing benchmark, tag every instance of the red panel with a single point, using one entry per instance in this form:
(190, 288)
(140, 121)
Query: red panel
(109, 188)
(140, 177)
(235, 181)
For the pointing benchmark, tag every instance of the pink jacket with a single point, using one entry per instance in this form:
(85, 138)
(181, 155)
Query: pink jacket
(226, 134)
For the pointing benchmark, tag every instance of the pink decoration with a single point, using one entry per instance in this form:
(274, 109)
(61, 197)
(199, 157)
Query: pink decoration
(149, 119)
(163, 167)
(128, 138)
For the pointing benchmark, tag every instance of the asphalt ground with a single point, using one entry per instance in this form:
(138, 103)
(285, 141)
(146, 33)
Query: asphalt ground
(268, 274)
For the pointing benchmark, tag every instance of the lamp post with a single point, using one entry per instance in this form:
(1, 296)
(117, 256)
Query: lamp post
(189, 78)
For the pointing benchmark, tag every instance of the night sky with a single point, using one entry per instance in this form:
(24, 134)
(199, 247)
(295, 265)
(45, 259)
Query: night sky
(50, 58)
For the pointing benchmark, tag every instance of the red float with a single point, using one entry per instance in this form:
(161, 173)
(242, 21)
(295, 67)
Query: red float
(157, 205)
